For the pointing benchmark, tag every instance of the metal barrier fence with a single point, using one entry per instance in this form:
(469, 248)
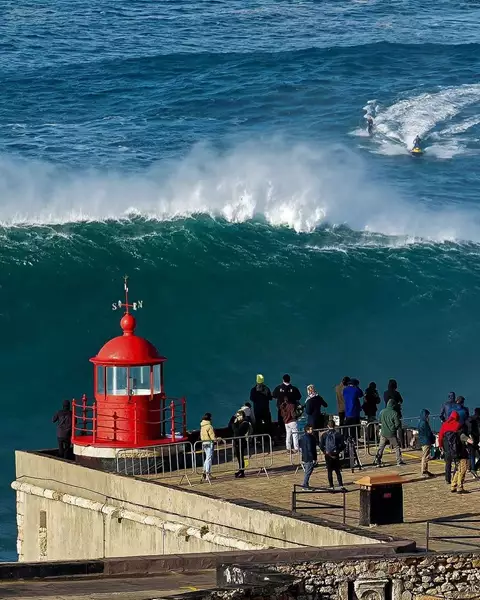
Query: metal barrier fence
(255, 452)
(301, 504)
(166, 460)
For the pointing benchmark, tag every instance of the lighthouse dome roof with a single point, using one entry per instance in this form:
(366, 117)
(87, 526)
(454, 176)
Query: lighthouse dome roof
(128, 349)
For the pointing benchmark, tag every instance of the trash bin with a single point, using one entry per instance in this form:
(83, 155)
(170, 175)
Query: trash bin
(381, 499)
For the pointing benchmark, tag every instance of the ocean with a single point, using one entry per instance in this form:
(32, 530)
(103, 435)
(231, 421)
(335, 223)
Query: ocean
(216, 152)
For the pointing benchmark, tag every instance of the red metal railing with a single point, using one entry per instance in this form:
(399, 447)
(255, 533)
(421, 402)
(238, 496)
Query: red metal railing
(89, 422)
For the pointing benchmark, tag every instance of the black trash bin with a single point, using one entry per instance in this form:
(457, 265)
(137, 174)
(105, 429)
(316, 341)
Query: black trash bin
(381, 500)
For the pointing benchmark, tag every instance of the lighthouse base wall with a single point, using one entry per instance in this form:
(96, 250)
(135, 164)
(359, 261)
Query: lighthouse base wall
(69, 511)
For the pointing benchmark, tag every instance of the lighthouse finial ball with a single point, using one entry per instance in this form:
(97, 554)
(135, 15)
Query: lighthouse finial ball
(128, 324)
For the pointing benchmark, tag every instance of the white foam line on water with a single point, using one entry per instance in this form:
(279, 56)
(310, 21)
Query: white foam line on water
(397, 125)
(303, 187)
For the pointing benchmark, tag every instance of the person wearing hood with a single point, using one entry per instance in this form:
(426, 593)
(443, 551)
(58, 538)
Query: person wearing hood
(341, 400)
(447, 407)
(451, 425)
(313, 408)
(63, 419)
(473, 429)
(260, 396)
(461, 409)
(208, 439)
(389, 426)
(426, 438)
(455, 442)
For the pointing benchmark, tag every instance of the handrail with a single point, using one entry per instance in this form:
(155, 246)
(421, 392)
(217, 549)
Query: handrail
(459, 525)
(299, 490)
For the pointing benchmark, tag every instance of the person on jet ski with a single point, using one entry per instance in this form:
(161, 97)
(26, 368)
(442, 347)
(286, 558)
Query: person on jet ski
(416, 142)
(370, 124)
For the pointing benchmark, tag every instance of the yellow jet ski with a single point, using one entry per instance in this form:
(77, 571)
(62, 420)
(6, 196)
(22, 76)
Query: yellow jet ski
(416, 151)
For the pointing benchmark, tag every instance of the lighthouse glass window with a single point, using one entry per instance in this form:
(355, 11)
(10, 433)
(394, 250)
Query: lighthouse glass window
(139, 381)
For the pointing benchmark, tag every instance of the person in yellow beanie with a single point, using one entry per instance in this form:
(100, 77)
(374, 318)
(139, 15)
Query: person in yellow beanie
(260, 396)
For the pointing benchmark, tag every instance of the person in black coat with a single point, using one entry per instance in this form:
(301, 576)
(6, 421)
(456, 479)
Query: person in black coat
(293, 397)
(241, 428)
(63, 419)
(260, 397)
(313, 408)
(308, 446)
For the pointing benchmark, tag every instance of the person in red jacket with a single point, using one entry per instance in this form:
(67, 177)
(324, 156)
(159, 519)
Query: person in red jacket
(452, 424)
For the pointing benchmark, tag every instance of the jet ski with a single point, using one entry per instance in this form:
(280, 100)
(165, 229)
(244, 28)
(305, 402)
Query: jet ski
(416, 151)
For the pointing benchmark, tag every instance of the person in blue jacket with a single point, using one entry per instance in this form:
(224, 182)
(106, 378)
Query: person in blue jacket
(447, 407)
(462, 410)
(352, 394)
(426, 438)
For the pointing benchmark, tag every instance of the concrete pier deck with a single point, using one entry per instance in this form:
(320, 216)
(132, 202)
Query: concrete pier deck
(424, 499)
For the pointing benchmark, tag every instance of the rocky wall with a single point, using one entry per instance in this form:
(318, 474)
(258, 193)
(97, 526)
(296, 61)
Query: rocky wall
(398, 578)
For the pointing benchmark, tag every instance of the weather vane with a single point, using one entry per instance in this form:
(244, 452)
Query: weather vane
(134, 305)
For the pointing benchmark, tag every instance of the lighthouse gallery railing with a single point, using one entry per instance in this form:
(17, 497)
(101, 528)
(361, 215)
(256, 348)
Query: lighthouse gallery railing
(171, 423)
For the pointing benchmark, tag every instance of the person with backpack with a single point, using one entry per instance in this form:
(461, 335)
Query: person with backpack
(390, 424)
(426, 438)
(308, 446)
(291, 392)
(449, 442)
(455, 443)
(289, 415)
(332, 443)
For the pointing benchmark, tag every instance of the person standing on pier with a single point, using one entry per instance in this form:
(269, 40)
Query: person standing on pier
(340, 400)
(208, 438)
(389, 425)
(308, 446)
(260, 396)
(285, 389)
(426, 439)
(447, 407)
(473, 429)
(241, 428)
(370, 403)
(447, 441)
(352, 394)
(332, 444)
(63, 419)
(288, 413)
(313, 408)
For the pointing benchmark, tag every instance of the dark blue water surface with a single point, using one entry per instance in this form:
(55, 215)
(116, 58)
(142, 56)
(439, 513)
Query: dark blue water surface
(216, 152)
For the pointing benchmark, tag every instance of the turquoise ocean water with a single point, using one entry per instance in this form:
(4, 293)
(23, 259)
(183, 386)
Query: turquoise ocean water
(216, 152)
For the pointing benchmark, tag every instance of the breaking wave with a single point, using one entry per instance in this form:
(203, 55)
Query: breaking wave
(303, 188)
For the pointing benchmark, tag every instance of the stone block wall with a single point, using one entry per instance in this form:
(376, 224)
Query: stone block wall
(397, 578)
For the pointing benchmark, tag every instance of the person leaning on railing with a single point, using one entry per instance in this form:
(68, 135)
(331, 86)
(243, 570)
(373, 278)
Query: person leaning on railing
(208, 438)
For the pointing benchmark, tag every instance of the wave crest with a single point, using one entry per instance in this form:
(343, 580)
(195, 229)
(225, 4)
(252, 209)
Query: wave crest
(302, 187)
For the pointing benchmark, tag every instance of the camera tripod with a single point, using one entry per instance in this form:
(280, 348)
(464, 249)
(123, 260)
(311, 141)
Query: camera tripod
(352, 455)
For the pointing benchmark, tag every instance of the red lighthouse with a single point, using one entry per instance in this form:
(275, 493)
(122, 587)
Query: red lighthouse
(130, 410)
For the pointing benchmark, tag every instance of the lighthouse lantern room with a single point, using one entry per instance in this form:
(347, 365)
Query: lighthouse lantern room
(130, 409)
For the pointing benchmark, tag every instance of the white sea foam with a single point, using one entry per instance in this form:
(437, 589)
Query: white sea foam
(424, 114)
(301, 187)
